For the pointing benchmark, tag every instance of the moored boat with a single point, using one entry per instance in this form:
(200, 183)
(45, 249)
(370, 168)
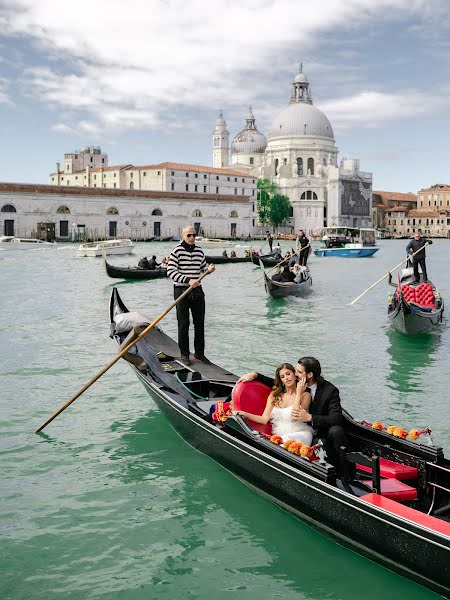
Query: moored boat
(268, 260)
(123, 246)
(401, 519)
(279, 289)
(222, 260)
(9, 242)
(119, 272)
(415, 307)
(214, 242)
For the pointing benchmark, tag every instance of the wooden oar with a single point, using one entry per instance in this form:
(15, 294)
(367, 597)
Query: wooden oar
(283, 261)
(119, 355)
(386, 275)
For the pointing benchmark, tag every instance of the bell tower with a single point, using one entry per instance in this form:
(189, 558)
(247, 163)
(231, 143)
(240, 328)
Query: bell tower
(221, 143)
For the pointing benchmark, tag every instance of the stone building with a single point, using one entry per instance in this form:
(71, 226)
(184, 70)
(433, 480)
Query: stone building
(300, 156)
(383, 201)
(87, 213)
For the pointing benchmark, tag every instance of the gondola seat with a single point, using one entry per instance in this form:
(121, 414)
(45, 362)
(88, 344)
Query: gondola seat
(408, 513)
(394, 489)
(422, 295)
(394, 470)
(252, 397)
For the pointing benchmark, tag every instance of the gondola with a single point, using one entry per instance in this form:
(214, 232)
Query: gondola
(278, 289)
(133, 272)
(415, 307)
(268, 260)
(409, 532)
(222, 260)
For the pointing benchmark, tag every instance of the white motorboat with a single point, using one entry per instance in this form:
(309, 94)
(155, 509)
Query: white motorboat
(105, 247)
(214, 242)
(9, 242)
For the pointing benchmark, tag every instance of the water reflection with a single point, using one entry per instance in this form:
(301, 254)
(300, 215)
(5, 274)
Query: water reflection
(410, 355)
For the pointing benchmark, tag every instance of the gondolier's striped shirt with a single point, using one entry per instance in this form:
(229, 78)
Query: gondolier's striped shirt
(185, 264)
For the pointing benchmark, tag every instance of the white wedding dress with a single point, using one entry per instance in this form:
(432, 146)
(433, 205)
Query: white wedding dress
(290, 430)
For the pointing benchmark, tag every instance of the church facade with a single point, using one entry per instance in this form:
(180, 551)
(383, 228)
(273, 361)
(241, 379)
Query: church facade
(300, 156)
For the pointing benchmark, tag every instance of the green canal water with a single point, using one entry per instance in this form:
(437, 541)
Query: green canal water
(111, 503)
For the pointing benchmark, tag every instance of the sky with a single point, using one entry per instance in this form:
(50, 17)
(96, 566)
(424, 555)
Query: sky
(145, 79)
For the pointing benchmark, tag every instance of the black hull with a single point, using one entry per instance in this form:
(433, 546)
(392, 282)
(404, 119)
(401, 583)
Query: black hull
(413, 550)
(267, 260)
(276, 289)
(222, 260)
(410, 319)
(133, 272)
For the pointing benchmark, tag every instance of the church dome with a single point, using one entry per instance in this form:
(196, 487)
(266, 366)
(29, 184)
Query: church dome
(249, 140)
(301, 119)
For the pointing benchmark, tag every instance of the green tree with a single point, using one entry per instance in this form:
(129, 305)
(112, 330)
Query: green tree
(280, 209)
(265, 189)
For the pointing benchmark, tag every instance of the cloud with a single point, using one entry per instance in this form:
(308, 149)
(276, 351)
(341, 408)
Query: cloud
(127, 69)
(4, 95)
(371, 108)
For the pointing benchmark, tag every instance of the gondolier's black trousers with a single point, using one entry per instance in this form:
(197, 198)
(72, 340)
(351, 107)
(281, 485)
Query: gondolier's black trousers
(194, 302)
(304, 256)
(416, 263)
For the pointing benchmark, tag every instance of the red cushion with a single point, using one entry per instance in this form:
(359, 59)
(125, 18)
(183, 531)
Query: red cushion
(395, 489)
(408, 513)
(252, 397)
(422, 294)
(389, 468)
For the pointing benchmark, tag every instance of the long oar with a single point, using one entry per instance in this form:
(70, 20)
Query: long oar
(386, 275)
(119, 355)
(283, 261)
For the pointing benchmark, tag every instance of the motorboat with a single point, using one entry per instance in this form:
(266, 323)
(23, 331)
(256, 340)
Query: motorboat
(9, 242)
(214, 242)
(124, 246)
(348, 242)
(391, 502)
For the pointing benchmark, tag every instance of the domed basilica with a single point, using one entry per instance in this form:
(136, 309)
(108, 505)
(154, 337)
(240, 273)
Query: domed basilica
(300, 156)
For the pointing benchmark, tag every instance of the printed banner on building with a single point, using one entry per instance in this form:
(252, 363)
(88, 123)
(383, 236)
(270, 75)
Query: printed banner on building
(355, 198)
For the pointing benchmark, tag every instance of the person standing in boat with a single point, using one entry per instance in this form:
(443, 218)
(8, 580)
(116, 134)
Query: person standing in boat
(325, 411)
(186, 263)
(269, 239)
(414, 245)
(301, 243)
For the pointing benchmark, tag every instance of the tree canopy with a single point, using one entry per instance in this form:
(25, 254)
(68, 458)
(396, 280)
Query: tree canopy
(273, 208)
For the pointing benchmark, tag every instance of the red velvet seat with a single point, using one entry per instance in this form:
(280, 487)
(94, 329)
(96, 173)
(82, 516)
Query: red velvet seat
(389, 468)
(395, 489)
(408, 513)
(421, 294)
(252, 397)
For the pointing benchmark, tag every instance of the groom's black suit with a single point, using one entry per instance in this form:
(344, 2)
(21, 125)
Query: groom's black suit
(326, 412)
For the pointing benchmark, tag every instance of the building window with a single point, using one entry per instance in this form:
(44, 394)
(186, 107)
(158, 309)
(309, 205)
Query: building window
(103, 160)
(243, 181)
(159, 173)
(76, 177)
(187, 174)
(115, 174)
(196, 213)
(8, 208)
(253, 192)
(235, 191)
(196, 175)
(144, 174)
(187, 187)
(233, 214)
(131, 185)
(172, 186)
(173, 173)
(309, 195)
(195, 188)
(243, 191)
(65, 210)
(115, 185)
(112, 211)
(131, 175)
(276, 166)
(156, 212)
(228, 179)
(205, 176)
(310, 166)
(253, 181)
(204, 188)
(217, 177)
(217, 190)
(299, 166)
(252, 160)
(235, 179)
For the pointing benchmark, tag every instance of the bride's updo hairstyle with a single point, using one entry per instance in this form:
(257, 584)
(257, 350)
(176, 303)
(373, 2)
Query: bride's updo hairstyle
(278, 387)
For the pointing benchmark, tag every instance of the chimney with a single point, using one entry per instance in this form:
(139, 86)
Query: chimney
(58, 167)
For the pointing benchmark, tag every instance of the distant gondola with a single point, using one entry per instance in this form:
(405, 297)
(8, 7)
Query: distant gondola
(279, 289)
(415, 307)
(222, 260)
(133, 272)
(400, 520)
(268, 260)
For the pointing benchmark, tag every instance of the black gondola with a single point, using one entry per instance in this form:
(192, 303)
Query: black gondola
(268, 260)
(222, 260)
(411, 537)
(279, 289)
(415, 307)
(118, 272)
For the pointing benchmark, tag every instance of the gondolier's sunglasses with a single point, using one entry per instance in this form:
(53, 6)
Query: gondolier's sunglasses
(191, 235)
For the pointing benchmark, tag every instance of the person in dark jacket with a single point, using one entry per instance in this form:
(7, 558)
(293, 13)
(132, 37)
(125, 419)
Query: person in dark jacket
(153, 264)
(269, 239)
(143, 263)
(325, 411)
(301, 243)
(415, 244)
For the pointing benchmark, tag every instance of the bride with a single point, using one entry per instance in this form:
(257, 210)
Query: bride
(286, 394)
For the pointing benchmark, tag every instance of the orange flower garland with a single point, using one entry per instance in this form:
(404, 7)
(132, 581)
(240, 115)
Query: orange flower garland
(222, 412)
(399, 432)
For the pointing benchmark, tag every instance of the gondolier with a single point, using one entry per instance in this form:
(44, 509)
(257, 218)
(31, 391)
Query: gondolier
(414, 245)
(301, 243)
(186, 263)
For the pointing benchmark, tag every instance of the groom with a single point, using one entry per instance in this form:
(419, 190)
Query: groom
(325, 411)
